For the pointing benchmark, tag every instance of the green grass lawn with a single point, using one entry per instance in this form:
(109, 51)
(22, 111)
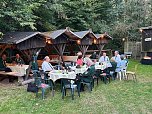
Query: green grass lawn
(118, 97)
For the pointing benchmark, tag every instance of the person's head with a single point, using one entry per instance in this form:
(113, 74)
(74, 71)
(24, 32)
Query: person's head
(122, 57)
(47, 59)
(116, 53)
(125, 56)
(17, 56)
(104, 54)
(94, 60)
(80, 57)
(112, 60)
(79, 53)
(4, 57)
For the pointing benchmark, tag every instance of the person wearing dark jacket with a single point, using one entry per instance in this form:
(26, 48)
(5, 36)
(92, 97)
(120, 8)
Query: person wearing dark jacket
(3, 66)
(94, 55)
(19, 60)
(3, 63)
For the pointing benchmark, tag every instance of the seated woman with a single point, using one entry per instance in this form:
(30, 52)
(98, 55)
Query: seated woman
(79, 60)
(88, 61)
(121, 66)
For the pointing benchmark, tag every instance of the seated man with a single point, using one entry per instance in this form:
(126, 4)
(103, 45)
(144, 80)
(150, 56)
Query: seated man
(46, 66)
(3, 66)
(18, 59)
(104, 58)
(116, 57)
(94, 55)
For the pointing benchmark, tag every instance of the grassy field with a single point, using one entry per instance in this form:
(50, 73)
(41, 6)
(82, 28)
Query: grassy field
(118, 97)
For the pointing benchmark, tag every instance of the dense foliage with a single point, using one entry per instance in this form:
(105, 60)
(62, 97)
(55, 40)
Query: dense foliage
(120, 18)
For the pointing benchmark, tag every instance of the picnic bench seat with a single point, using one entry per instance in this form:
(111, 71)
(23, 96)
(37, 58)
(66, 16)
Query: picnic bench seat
(15, 74)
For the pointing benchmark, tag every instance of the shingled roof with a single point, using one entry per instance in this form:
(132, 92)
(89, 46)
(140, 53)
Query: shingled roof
(55, 34)
(24, 40)
(17, 37)
(101, 35)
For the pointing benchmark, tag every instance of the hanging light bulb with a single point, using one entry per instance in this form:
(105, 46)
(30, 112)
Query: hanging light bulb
(49, 41)
(102, 35)
(94, 41)
(141, 30)
(78, 41)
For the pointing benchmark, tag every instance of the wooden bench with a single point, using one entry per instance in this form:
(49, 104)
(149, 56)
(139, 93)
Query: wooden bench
(15, 74)
(70, 58)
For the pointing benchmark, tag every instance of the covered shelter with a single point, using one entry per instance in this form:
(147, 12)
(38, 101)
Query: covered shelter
(26, 42)
(102, 39)
(59, 39)
(87, 38)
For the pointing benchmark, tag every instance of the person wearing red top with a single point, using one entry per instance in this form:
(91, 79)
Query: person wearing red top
(79, 60)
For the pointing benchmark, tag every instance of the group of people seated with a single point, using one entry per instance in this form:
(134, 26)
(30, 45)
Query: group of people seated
(4, 60)
(118, 63)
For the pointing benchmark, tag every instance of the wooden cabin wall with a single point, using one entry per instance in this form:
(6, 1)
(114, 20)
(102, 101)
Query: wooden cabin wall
(63, 38)
(102, 41)
(86, 40)
(34, 42)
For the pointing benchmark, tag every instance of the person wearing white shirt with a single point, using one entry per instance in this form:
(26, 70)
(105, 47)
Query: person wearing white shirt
(104, 58)
(46, 66)
(117, 57)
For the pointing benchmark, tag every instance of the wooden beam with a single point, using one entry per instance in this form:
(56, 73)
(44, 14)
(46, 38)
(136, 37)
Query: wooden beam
(100, 47)
(28, 70)
(83, 49)
(60, 50)
(4, 47)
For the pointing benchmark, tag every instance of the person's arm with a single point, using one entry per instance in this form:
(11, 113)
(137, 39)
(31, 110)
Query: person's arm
(108, 58)
(100, 59)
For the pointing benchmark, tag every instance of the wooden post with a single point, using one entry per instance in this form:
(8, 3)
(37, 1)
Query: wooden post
(4, 47)
(84, 49)
(60, 50)
(100, 47)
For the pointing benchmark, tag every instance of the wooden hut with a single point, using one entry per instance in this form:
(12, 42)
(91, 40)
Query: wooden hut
(146, 33)
(87, 38)
(60, 39)
(26, 42)
(102, 39)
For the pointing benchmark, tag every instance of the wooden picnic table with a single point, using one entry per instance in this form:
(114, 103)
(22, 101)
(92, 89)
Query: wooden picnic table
(16, 74)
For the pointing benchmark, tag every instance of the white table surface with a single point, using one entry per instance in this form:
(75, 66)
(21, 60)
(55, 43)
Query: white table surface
(20, 69)
(103, 66)
(57, 74)
(79, 70)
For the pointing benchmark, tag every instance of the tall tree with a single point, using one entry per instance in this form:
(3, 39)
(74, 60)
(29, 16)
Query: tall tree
(18, 14)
